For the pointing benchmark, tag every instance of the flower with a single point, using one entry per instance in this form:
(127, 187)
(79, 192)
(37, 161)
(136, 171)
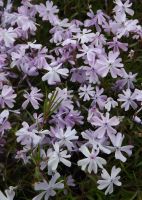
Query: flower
(54, 73)
(105, 124)
(127, 80)
(33, 97)
(123, 7)
(128, 98)
(111, 64)
(92, 160)
(8, 36)
(110, 103)
(109, 180)
(85, 36)
(118, 149)
(7, 96)
(65, 137)
(98, 98)
(86, 92)
(47, 12)
(116, 45)
(48, 188)
(4, 123)
(56, 156)
(10, 194)
(27, 136)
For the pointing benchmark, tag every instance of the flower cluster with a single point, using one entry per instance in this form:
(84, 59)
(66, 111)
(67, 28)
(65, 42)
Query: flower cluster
(55, 95)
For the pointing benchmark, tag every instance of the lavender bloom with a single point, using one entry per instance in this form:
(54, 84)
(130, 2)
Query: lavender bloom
(118, 148)
(56, 156)
(92, 160)
(7, 97)
(33, 97)
(48, 188)
(105, 125)
(116, 45)
(27, 136)
(111, 64)
(8, 36)
(4, 123)
(47, 12)
(86, 92)
(109, 180)
(54, 73)
(128, 98)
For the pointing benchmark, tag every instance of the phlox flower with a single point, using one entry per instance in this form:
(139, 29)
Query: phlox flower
(10, 194)
(117, 45)
(99, 98)
(86, 92)
(85, 36)
(28, 136)
(33, 97)
(127, 80)
(54, 73)
(92, 160)
(47, 12)
(118, 148)
(56, 156)
(128, 98)
(8, 36)
(48, 188)
(7, 96)
(105, 125)
(64, 137)
(109, 64)
(4, 123)
(123, 7)
(109, 180)
(110, 103)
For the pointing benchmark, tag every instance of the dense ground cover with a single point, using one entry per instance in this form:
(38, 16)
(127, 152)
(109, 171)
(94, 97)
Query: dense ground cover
(24, 169)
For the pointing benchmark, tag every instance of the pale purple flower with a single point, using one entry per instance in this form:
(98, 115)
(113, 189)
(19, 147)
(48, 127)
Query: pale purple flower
(78, 75)
(70, 181)
(118, 148)
(65, 137)
(85, 36)
(86, 92)
(128, 80)
(48, 188)
(116, 45)
(2, 60)
(109, 64)
(4, 123)
(73, 117)
(8, 36)
(7, 97)
(10, 194)
(28, 136)
(95, 142)
(138, 95)
(110, 103)
(47, 12)
(97, 20)
(33, 97)
(128, 98)
(99, 98)
(109, 180)
(92, 160)
(90, 52)
(54, 73)
(56, 156)
(92, 75)
(123, 7)
(105, 125)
